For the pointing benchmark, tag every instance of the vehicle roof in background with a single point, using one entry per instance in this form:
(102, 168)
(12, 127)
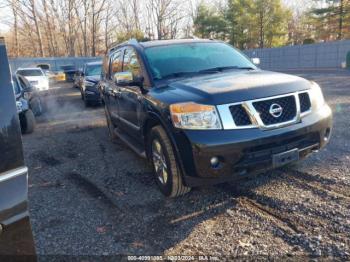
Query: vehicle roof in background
(94, 63)
(29, 69)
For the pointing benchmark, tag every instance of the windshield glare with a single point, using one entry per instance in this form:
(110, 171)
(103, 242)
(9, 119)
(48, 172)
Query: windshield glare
(94, 70)
(30, 72)
(171, 59)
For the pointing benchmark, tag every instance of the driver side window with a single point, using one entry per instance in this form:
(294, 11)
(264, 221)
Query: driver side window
(116, 63)
(131, 62)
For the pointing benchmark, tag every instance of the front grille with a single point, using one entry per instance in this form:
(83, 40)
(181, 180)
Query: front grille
(305, 103)
(288, 105)
(240, 116)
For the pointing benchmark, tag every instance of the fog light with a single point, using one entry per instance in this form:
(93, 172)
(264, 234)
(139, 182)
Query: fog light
(327, 134)
(214, 162)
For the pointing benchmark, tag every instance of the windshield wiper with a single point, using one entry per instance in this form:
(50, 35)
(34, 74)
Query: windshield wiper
(223, 68)
(177, 74)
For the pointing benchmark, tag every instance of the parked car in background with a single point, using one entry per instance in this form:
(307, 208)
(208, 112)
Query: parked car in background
(27, 102)
(16, 238)
(88, 83)
(27, 91)
(69, 71)
(58, 76)
(202, 113)
(36, 77)
(45, 68)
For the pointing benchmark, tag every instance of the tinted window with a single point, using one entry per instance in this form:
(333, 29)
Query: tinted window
(44, 66)
(131, 63)
(116, 63)
(30, 72)
(93, 70)
(193, 57)
(68, 67)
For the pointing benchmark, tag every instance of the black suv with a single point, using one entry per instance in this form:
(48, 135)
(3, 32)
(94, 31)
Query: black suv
(15, 230)
(203, 113)
(88, 81)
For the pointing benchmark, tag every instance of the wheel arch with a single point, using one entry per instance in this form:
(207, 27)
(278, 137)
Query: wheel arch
(153, 120)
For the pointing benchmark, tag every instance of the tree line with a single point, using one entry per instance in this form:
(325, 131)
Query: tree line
(46, 28)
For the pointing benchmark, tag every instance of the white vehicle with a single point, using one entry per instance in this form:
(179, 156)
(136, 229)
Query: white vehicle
(36, 77)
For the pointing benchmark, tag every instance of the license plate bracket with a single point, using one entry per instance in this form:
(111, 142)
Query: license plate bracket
(284, 158)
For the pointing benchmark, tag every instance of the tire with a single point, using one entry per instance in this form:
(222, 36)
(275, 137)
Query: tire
(86, 103)
(169, 181)
(36, 106)
(110, 126)
(28, 122)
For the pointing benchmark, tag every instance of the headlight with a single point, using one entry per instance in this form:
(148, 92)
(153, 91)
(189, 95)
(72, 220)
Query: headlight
(316, 95)
(19, 106)
(26, 95)
(88, 83)
(195, 116)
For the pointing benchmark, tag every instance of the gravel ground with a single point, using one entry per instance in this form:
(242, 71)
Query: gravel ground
(88, 196)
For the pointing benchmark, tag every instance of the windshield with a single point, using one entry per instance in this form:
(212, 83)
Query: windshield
(168, 60)
(30, 72)
(93, 70)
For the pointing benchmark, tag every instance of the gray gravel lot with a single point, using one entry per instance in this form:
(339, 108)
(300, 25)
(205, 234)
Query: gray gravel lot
(88, 196)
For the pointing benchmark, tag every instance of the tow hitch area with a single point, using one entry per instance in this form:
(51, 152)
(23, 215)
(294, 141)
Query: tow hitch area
(285, 158)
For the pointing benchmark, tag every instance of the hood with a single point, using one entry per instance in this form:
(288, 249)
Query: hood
(93, 79)
(233, 86)
(36, 78)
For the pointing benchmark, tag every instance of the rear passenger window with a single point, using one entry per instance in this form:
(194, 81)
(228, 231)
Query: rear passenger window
(131, 63)
(116, 63)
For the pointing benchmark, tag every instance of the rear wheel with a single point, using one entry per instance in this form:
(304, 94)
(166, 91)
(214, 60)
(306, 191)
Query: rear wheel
(28, 122)
(166, 169)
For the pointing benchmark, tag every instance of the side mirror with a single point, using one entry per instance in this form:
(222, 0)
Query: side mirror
(256, 61)
(126, 78)
(123, 78)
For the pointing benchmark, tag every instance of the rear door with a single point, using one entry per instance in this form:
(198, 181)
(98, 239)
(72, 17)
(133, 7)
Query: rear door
(15, 236)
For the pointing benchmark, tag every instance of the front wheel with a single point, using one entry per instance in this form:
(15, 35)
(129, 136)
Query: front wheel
(167, 173)
(110, 126)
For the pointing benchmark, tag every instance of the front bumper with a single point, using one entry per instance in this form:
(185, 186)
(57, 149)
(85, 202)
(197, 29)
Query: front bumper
(92, 96)
(247, 151)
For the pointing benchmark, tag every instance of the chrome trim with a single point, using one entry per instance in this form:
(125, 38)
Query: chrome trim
(13, 173)
(229, 124)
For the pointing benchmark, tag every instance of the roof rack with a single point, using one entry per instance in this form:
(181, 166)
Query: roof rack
(117, 44)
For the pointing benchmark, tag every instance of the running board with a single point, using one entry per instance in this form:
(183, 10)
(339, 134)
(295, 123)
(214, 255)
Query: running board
(130, 143)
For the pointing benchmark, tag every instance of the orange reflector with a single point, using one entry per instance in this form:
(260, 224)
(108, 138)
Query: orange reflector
(189, 107)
